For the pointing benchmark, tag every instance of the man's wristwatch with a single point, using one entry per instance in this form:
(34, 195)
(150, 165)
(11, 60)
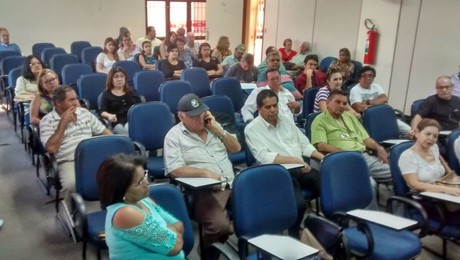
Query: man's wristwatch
(221, 138)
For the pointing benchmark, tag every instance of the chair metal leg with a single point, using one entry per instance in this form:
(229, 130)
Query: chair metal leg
(83, 252)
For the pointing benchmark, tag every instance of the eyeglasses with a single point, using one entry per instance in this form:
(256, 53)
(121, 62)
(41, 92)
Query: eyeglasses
(444, 87)
(145, 179)
(49, 80)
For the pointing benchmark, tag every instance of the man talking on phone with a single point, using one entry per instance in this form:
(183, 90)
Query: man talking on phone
(198, 147)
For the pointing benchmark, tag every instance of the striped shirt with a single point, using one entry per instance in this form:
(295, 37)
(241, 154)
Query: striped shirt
(322, 95)
(86, 126)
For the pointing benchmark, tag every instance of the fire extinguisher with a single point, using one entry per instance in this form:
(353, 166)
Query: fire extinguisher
(371, 42)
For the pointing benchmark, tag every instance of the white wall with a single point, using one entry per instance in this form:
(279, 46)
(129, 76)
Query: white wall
(224, 17)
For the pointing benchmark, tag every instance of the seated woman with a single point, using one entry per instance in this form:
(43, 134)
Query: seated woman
(146, 58)
(128, 50)
(421, 166)
(205, 61)
(26, 84)
(116, 100)
(222, 49)
(135, 226)
(287, 53)
(42, 103)
(334, 82)
(310, 76)
(170, 38)
(172, 67)
(344, 64)
(106, 59)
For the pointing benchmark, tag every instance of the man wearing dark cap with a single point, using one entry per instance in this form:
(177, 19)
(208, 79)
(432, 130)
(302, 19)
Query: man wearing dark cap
(198, 147)
(244, 71)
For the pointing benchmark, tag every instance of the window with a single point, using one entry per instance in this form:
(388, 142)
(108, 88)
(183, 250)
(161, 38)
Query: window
(170, 15)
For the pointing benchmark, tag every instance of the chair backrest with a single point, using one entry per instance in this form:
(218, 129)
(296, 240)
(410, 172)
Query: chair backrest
(381, 123)
(221, 104)
(199, 79)
(77, 47)
(149, 123)
(89, 154)
(37, 48)
(172, 91)
(345, 183)
(263, 200)
(452, 159)
(309, 101)
(48, 53)
(70, 73)
(415, 107)
(130, 67)
(58, 61)
(13, 76)
(172, 200)
(399, 184)
(308, 122)
(325, 62)
(147, 83)
(89, 54)
(231, 88)
(90, 86)
(11, 62)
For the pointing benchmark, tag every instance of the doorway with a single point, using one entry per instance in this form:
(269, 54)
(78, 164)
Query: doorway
(253, 28)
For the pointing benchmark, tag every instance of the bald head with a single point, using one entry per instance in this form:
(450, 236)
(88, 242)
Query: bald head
(305, 47)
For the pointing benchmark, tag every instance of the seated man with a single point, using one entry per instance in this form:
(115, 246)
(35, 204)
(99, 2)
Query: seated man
(263, 64)
(274, 138)
(334, 130)
(443, 106)
(235, 58)
(274, 61)
(5, 41)
(288, 105)
(299, 58)
(366, 94)
(199, 147)
(244, 71)
(63, 129)
(310, 76)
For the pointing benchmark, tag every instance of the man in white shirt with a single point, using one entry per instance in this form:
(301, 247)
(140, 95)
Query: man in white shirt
(192, 45)
(367, 93)
(272, 137)
(150, 35)
(287, 103)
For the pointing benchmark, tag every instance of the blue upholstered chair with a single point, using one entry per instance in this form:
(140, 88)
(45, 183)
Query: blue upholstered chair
(89, 87)
(199, 80)
(148, 125)
(76, 48)
(231, 88)
(452, 159)
(89, 154)
(381, 123)
(345, 186)
(172, 200)
(172, 91)
(89, 54)
(38, 47)
(58, 61)
(325, 62)
(147, 83)
(47, 53)
(309, 101)
(70, 73)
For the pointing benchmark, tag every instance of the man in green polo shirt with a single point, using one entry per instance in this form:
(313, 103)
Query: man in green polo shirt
(334, 130)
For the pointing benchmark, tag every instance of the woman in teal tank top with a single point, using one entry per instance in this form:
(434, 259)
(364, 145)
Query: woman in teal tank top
(135, 226)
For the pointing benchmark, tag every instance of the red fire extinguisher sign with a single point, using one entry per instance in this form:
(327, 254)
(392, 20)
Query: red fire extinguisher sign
(371, 42)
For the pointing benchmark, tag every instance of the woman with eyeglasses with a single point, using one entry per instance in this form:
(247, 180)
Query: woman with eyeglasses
(135, 226)
(42, 103)
(172, 67)
(116, 100)
(26, 84)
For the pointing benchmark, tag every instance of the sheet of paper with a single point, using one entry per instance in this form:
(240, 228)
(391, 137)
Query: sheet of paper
(198, 182)
(383, 218)
(283, 247)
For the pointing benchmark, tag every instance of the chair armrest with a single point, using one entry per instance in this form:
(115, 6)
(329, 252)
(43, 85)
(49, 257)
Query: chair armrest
(140, 149)
(79, 215)
(410, 203)
(219, 249)
(325, 231)
(85, 103)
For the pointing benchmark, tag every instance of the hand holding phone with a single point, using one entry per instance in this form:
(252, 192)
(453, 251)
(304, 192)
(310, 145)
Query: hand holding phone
(208, 119)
